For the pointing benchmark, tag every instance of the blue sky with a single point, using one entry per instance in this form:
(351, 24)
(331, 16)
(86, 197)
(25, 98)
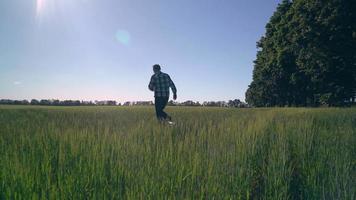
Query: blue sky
(105, 49)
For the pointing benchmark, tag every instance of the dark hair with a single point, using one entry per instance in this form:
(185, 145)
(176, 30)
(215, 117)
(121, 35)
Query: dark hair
(156, 67)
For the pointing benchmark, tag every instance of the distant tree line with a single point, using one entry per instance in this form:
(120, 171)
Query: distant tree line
(52, 102)
(231, 103)
(138, 103)
(307, 56)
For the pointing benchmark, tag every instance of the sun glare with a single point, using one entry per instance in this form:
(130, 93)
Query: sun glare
(40, 6)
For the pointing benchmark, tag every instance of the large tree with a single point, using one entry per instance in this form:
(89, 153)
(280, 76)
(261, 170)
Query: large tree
(307, 56)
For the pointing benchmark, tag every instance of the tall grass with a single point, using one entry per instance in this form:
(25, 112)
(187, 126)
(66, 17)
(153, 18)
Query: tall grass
(123, 153)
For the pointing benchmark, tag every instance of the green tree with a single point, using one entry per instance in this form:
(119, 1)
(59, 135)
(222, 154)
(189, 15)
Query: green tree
(307, 56)
(271, 66)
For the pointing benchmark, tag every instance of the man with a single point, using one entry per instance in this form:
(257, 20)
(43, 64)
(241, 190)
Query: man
(160, 84)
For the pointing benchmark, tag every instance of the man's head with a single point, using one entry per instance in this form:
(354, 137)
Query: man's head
(156, 68)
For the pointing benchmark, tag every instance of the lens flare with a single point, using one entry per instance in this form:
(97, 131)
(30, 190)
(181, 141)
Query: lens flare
(123, 37)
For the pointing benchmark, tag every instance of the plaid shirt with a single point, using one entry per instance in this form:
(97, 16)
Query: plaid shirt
(160, 84)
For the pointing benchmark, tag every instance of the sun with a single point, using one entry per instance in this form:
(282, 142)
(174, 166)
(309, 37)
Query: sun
(39, 6)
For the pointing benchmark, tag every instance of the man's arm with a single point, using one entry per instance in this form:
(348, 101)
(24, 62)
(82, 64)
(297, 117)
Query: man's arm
(151, 86)
(173, 87)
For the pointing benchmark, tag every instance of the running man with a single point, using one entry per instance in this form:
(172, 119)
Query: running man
(160, 84)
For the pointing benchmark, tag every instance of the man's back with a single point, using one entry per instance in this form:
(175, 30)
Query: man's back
(160, 84)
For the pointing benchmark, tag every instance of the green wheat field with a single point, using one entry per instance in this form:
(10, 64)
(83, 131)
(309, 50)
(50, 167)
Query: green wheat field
(211, 153)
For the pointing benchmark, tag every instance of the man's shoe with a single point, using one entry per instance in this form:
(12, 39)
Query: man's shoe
(171, 123)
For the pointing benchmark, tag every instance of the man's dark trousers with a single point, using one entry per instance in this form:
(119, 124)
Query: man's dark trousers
(160, 104)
